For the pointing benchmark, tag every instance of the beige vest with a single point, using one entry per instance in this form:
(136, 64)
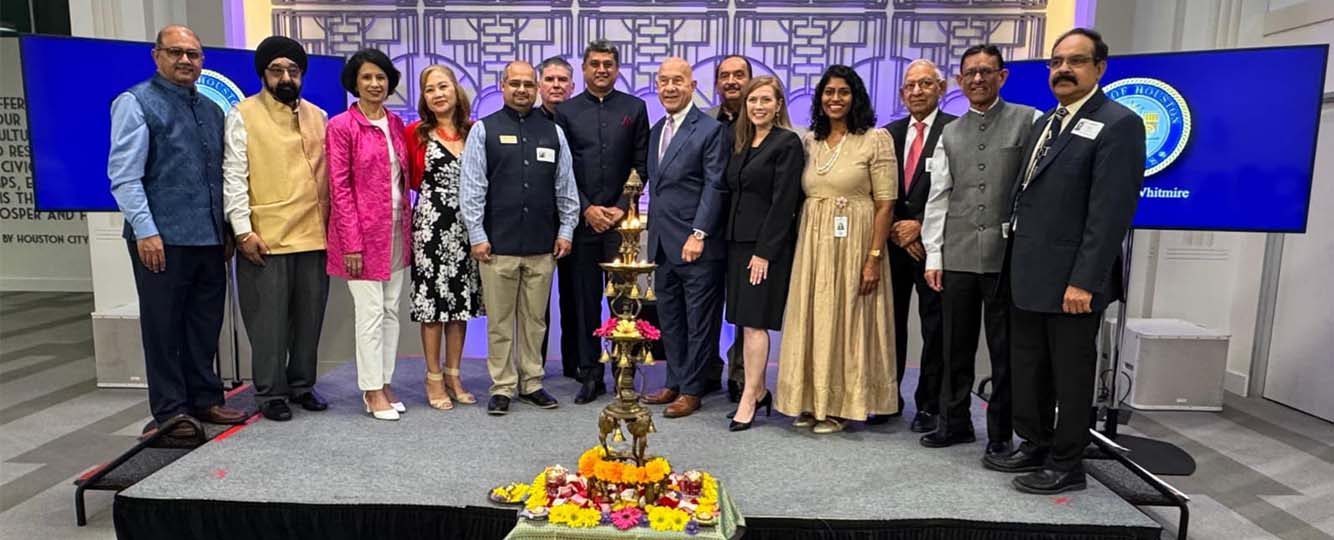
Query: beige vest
(289, 181)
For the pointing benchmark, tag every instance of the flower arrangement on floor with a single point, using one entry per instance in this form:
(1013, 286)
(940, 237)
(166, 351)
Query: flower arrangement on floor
(623, 495)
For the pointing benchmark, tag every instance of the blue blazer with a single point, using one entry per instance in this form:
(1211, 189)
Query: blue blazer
(687, 190)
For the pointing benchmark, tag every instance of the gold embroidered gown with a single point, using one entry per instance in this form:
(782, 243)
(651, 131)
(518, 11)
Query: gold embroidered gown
(837, 356)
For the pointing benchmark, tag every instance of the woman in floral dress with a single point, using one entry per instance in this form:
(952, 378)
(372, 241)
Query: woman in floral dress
(446, 288)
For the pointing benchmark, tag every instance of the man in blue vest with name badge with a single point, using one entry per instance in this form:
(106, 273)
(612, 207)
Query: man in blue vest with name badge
(165, 165)
(518, 200)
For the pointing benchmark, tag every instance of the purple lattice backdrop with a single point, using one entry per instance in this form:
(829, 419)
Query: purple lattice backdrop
(793, 40)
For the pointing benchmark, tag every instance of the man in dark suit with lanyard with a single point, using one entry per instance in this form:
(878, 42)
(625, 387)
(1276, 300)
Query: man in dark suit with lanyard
(1072, 205)
(915, 139)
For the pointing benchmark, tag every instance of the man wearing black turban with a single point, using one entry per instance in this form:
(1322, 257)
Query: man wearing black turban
(275, 193)
(274, 55)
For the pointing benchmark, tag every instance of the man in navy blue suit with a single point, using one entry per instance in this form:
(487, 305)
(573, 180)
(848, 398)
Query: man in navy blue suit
(687, 157)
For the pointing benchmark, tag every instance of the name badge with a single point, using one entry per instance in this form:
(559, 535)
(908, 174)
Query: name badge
(840, 226)
(1088, 129)
(546, 154)
(509, 139)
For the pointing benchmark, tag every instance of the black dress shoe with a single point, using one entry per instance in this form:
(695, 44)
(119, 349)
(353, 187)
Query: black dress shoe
(498, 406)
(1050, 481)
(999, 449)
(539, 398)
(589, 391)
(311, 401)
(734, 391)
(1024, 460)
(276, 410)
(923, 422)
(941, 439)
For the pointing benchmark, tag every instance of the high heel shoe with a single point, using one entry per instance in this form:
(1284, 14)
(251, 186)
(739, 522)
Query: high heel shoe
(767, 403)
(435, 394)
(462, 397)
(387, 414)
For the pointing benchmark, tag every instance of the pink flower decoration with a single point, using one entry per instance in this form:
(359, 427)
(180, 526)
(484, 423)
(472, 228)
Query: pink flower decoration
(607, 328)
(626, 518)
(647, 330)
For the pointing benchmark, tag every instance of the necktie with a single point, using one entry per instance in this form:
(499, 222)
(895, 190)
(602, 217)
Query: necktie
(914, 155)
(668, 128)
(1052, 132)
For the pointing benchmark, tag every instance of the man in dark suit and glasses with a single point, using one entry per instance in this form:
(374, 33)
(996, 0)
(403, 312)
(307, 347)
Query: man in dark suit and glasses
(1072, 204)
(915, 139)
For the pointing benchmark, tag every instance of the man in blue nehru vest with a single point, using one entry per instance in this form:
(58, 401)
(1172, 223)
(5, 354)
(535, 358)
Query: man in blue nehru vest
(518, 200)
(165, 166)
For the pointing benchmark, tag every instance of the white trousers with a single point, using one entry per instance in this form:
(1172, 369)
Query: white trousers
(375, 304)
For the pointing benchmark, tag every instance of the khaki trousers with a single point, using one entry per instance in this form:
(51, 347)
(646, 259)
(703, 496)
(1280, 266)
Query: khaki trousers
(516, 290)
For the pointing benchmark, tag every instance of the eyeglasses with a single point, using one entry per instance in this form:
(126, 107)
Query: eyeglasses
(1073, 61)
(985, 72)
(517, 84)
(176, 52)
(293, 72)
(924, 84)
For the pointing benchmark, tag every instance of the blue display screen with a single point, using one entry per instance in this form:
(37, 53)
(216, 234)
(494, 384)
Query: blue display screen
(1231, 135)
(71, 82)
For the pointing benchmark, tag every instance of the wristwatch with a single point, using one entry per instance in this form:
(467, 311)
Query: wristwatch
(698, 234)
(874, 253)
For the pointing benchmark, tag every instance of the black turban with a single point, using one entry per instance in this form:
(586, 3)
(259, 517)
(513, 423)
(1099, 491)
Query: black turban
(275, 47)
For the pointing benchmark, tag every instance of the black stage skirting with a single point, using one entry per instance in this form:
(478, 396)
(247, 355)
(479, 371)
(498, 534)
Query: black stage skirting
(150, 519)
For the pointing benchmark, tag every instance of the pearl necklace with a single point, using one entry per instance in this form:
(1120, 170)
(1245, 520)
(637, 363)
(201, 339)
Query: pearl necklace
(829, 164)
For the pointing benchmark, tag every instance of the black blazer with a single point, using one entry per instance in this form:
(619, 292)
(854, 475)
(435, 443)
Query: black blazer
(911, 204)
(766, 193)
(1071, 219)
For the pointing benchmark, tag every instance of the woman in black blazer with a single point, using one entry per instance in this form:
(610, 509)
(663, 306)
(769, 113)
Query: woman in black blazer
(764, 177)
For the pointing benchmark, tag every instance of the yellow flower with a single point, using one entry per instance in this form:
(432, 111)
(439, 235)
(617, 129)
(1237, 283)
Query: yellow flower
(537, 497)
(706, 508)
(657, 518)
(678, 519)
(657, 469)
(563, 514)
(662, 518)
(586, 517)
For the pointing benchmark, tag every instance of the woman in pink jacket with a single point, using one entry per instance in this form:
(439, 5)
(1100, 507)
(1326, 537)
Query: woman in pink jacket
(369, 220)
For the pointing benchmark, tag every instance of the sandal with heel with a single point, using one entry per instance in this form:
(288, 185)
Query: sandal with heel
(436, 394)
(462, 397)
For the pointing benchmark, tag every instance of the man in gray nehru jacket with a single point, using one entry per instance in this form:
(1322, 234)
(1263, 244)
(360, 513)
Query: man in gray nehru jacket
(972, 170)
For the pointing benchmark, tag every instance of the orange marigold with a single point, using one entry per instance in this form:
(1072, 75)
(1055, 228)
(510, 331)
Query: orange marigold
(588, 462)
(608, 471)
(631, 474)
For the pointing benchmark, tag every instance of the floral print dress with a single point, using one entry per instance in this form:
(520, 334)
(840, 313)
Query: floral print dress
(446, 285)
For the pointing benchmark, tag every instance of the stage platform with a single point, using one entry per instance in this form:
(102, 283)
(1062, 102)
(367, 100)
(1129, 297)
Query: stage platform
(340, 474)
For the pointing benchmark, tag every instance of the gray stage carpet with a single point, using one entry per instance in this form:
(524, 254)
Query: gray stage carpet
(452, 458)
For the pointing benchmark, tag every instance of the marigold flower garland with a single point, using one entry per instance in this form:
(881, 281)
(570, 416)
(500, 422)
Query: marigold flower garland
(565, 498)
